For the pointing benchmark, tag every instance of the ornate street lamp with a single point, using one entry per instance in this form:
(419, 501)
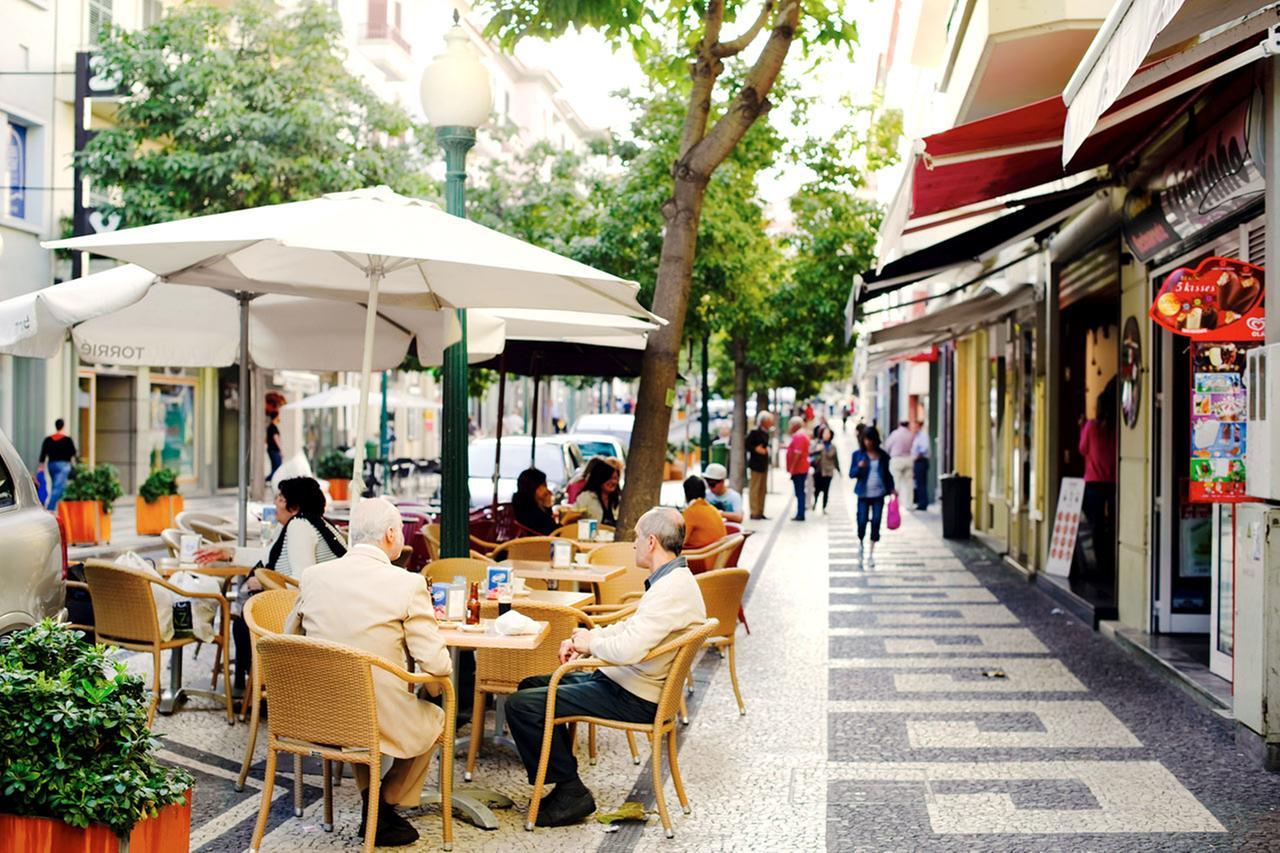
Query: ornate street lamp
(458, 98)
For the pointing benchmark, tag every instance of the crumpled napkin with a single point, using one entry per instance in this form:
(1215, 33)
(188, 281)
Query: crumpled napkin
(514, 622)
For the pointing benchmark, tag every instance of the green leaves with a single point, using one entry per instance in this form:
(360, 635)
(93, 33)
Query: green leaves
(99, 483)
(161, 482)
(243, 106)
(333, 465)
(75, 744)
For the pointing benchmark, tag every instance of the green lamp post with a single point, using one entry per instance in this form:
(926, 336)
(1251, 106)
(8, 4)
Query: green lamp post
(458, 98)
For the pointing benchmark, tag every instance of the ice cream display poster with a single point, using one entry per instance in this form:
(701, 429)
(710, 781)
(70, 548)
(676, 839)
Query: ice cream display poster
(1220, 300)
(1219, 406)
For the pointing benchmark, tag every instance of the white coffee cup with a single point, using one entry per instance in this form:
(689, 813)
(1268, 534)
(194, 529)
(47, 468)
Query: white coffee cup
(188, 545)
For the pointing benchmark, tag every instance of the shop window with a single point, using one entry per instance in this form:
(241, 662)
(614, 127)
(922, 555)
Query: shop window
(173, 428)
(17, 161)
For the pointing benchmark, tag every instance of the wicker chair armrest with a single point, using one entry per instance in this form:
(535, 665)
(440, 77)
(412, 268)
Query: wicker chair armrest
(670, 645)
(77, 585)
(630, 596)
(187, 593)
(483, 545)
(412, 677)
(609, 617)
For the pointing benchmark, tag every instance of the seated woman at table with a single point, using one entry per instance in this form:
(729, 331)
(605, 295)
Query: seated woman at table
(302, 539)
(703, 523)
(601, 495)
(532, 502)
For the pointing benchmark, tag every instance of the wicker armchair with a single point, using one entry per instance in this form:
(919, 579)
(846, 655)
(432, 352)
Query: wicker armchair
(265, 613)
(622, 590)
(663, 726)
(431, 534)
(271, 579)
(722, 592)
(215, 528)
(527, 548)
(172, 539)
(500, 672)
(714, 556)
(475, 571)
(124, 613)
(304, 675)
(570, 531)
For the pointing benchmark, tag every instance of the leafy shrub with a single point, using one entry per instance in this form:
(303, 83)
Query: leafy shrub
(100, 483)
(333, 465)
(75, 745)
(163, 481)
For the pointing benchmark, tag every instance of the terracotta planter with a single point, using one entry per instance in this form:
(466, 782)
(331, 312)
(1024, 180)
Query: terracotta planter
(152, 518)
(86, 523)
(167, 832)
(340, 489)
(673, 471)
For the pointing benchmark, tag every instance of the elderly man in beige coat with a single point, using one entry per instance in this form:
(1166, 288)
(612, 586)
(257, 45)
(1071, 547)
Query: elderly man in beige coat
(364, 601)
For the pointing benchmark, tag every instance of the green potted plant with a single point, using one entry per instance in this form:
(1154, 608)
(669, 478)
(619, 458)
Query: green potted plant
(158, 502)
(334, 466)
(77, 771)
(86, 504)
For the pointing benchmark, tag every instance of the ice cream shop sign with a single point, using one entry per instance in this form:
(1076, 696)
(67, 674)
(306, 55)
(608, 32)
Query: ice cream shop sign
(1220, 300)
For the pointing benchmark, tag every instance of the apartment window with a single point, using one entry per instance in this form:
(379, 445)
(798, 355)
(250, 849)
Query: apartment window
(17, 139)
(151, 12)
(100, 19)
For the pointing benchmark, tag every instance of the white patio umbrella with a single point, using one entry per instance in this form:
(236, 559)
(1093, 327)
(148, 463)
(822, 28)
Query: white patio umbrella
(129, 316)
(348, 397)
(365, 246)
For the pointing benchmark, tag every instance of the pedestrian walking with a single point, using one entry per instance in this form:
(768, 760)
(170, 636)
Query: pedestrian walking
(898, 446)
(873, 482)
(826, 466)
(274, 452)
(920, 466)
(758, 463)
(844, 417)
(798, 463)
(57, 453)
(1098, 447)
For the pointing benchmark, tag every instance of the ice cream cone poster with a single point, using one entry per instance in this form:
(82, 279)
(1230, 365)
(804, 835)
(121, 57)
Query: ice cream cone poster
(1220, 300)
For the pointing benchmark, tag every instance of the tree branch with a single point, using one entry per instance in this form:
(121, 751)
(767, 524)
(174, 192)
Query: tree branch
(704, 71)
(752, 99)
(736, 46)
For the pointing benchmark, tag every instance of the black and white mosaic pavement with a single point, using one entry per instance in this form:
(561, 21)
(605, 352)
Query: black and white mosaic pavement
(966, 712)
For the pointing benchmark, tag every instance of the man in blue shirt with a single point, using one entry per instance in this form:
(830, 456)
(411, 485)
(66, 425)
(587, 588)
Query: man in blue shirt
(720, 496)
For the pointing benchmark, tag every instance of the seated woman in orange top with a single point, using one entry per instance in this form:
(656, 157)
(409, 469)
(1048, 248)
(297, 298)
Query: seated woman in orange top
(703, 523)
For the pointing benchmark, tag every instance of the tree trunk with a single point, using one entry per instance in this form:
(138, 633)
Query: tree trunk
(762, 401)
(659, 368)
(738, 444)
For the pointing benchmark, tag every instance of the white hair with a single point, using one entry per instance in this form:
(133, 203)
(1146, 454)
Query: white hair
(666, 524)
(795, 423)
(370, 519)
(761, 417)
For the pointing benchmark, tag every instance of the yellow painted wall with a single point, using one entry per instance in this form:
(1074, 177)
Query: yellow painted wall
(1134, 487)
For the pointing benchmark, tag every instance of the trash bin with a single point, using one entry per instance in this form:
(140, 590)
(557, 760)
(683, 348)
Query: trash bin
(956, 517)
(720, 452)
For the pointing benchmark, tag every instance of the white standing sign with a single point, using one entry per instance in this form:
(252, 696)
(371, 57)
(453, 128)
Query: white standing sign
(1066, 526)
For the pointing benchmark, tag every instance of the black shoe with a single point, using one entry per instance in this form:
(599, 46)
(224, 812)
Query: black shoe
(566, 805)
(393, 830)
(798, 518)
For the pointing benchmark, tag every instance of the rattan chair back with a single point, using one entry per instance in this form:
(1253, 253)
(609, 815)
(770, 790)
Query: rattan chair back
(722, 592)
(566, 531)
(526, 548)
(441, 571)
(501, 671)
(303, 676)
(630, 581)
(184, 519)
(613, 554)
(271, 579)
(431, 533)
(123, 607)
(265, 612)
(212, 532)
(686, 647)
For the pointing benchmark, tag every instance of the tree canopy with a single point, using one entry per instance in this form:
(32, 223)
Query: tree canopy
(228, 108)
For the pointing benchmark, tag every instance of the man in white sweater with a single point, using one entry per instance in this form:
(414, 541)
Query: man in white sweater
(627, 691)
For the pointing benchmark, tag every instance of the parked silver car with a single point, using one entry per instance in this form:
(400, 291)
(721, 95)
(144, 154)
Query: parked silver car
(31, 583)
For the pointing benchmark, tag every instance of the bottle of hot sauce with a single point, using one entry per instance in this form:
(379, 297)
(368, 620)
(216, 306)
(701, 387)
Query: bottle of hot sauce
(473, 605)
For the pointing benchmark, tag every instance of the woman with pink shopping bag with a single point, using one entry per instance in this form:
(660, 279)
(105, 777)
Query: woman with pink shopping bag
(872, 483)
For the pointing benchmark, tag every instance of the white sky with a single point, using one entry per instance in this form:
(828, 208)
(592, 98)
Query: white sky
(591, 72)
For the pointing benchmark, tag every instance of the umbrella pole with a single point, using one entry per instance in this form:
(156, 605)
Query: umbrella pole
(366, 371)
(533, 442)
(502, 414)
(242, 527)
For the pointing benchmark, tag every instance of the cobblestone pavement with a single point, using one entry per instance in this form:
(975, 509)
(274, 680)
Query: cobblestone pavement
(933, 702)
